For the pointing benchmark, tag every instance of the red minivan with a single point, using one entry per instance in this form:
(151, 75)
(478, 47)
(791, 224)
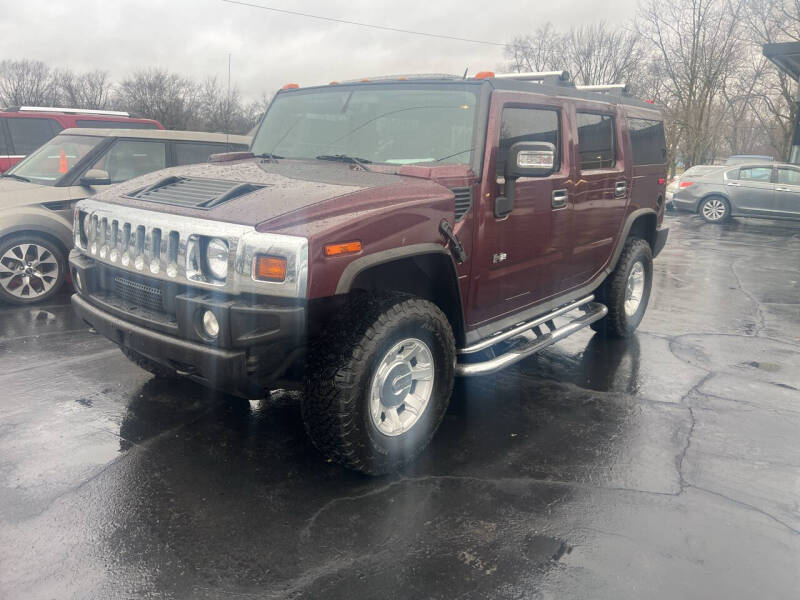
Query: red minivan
(24, 128)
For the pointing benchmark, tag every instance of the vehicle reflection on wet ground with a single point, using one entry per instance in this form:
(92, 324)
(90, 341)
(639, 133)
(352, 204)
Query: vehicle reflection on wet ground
(662, 466)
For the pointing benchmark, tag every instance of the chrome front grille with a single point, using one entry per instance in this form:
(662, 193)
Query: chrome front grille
(171, 248)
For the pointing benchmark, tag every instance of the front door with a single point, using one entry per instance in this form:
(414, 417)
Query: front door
(521, 257)
(751, 190)
(787, 192)
(601, 194)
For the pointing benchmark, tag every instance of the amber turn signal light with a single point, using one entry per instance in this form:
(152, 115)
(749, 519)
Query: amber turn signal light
(269, 268)
(346, 248)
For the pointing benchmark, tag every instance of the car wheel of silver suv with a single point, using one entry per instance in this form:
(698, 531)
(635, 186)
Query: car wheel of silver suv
(32, 268)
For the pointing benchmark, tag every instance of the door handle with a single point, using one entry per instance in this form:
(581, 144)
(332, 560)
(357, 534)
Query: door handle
(559, 199)
(620, 189)
(782, 189)
(735, 184)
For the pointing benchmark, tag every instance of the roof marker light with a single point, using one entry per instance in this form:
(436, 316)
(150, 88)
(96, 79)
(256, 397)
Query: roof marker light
(484, 75)
(290, 86)
(334, 83)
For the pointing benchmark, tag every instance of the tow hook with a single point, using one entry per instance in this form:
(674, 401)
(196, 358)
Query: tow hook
(455, 244)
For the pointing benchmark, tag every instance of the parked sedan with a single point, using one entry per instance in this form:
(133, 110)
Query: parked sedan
(766, 191)
(695, 171)
(37, 194)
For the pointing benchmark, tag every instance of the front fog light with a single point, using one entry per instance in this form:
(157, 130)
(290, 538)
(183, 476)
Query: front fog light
(217, 258)
(210, 324)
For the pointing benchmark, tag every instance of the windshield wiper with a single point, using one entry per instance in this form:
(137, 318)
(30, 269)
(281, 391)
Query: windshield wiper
(361, 162)
(15, 176)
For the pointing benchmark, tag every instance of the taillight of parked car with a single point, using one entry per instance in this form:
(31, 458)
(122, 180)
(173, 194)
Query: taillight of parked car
(685, 184)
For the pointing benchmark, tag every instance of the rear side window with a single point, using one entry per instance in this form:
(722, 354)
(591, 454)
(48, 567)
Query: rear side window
(187, 153)
(596, 142)
(28, 134)
(128, 158)
(755, 174)
(113, 124)
(528, 125)
(4, 147)
(788, 176)
(648, 144)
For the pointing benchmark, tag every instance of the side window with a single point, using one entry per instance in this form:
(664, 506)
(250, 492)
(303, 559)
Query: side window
(648, 144)
(129, 158)
(4, 147)
(528, 125)
(596, 141)
(789, 176)
(28, 134)
(188, 153)
(763, 174)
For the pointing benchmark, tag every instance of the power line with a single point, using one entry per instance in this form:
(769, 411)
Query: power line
(346, 22)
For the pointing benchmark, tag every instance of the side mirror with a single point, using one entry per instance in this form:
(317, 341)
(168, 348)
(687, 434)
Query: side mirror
(95, 177)
(531, 159)
(525, 159)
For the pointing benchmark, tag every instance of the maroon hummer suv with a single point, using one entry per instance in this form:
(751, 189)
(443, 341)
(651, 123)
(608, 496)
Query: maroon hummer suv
(381, 238)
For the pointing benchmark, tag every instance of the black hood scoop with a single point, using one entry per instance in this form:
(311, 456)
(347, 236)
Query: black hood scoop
(194, 192)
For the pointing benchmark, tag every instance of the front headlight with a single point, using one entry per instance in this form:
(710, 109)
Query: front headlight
(217, 258)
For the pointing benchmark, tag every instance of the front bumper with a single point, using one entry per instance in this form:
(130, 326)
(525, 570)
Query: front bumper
(257, 341)
(684, 204)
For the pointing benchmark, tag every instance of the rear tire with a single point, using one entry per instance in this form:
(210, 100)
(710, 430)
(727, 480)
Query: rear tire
(378, 382)
(141, 361)
(626, 291)
(32, 268)
(714, 209)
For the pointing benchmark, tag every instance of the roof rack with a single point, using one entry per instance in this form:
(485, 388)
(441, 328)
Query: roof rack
(404, 77)
(82, 111)
(559, 76)
(613, 87)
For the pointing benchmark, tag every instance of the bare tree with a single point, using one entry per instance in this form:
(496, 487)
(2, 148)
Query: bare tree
(28, 82)
(158, 94)
(84, 90)
(698, 44)
(540, 51)
(598, 54)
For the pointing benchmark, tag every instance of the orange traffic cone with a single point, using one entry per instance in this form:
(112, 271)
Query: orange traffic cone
(63, 166)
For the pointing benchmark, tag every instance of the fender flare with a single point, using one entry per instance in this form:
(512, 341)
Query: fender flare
(41, 222)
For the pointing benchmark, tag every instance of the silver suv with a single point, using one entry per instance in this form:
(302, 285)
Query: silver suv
(37, 194)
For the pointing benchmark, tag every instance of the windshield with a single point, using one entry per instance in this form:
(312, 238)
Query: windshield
(54, 160)
(392, 125)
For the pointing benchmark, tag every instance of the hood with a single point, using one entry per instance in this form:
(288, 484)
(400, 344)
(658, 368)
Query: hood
(14, 193)
(275, 189)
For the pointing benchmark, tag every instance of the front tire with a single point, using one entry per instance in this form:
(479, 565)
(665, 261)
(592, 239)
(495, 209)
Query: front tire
(32, 268)
(379, 381)
(714, 209)
(626, 291)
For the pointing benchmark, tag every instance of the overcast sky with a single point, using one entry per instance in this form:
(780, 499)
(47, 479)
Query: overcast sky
(269, 49)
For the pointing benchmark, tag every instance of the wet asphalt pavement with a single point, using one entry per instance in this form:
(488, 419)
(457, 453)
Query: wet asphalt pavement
(665, 466)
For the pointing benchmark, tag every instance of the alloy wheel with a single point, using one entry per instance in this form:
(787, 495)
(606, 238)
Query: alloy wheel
(28, 270)
(714, 209)
(401, 387)
(634, 290)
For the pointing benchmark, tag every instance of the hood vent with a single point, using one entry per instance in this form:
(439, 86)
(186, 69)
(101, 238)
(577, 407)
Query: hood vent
(194, 192)
(463, 201)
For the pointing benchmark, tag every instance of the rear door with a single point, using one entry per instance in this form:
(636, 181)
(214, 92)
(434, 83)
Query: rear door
(601, 191)
(751, 190)
(521, 254)
(787, 192)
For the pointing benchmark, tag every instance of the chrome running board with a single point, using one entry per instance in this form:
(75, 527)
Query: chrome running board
(525, 346)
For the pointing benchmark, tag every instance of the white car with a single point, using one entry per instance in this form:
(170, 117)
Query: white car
(695, 171)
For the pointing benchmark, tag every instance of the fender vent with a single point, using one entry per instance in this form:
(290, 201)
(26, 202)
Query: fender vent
(194, 192)
(463, 201)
